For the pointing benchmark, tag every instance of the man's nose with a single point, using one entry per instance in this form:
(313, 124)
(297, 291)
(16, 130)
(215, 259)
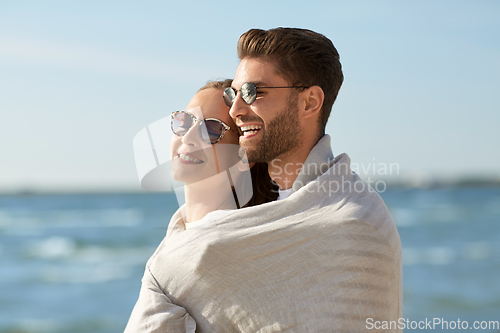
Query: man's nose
(239, 107)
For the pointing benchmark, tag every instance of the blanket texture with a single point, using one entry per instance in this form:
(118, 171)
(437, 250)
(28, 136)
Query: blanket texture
(326, 259)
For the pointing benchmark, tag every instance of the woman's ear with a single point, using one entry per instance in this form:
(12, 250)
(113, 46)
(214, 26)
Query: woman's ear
(312, 98)
(251, 164)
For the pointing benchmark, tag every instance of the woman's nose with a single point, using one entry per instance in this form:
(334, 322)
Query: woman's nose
(192, 136)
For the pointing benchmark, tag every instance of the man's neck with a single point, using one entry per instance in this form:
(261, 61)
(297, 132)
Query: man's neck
(284, 169)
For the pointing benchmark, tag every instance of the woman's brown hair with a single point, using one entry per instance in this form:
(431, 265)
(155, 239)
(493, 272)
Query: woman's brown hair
(264, 188)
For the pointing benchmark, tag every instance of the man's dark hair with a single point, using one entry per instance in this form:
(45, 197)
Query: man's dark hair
(303, 57)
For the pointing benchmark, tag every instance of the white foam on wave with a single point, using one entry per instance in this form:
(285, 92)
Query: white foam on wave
(444, 213)
(38, 326)
(477, 251)
(64, 261)
(85, 273)
(94, 218)
(446, 255)
(31, 222)
(125, 256)
(439, 256)
(404, 217)
(53, 247)
(428, 256)
(66, 249)
(19, 225)
(5, 220)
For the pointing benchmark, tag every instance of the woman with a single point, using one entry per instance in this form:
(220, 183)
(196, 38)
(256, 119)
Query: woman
(203, 151)
(207, 159)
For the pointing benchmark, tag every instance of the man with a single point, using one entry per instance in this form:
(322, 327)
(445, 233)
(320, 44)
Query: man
(281, 98)
(283, 124)
(325, 257)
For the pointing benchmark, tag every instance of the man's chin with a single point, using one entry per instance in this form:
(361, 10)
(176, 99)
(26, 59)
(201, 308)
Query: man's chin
(252, 154)
(248, 145)
(254, 149)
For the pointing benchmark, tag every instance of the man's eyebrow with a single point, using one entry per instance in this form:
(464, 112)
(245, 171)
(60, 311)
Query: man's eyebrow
(260, 83)
(257, 84)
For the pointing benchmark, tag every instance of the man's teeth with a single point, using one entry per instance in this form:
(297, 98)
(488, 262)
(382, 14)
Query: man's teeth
(189, 158)
(252, 129)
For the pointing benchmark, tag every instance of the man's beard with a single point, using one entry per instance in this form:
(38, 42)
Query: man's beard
(280, 136)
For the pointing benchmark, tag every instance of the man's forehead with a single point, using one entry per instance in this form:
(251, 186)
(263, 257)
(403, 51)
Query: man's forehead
(255, 70)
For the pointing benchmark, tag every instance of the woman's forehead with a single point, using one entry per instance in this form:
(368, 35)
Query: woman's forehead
(209, 103)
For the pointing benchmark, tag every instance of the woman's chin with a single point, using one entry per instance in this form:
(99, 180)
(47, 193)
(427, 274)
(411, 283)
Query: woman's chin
(190, 173)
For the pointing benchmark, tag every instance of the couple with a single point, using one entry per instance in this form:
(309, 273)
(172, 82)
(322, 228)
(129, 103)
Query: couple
(324, 257)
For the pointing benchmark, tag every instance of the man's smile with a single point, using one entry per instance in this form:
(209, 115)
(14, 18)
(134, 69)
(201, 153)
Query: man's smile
(250, 130)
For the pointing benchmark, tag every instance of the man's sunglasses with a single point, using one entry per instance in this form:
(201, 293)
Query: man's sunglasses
(248, 93)
(182, 121)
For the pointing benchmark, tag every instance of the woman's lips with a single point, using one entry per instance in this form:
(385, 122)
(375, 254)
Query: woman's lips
(187, 158)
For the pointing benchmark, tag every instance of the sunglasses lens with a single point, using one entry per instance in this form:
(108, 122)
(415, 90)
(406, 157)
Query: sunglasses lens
(229, 96)
(214, 130)
(248, 92)
(181, 123)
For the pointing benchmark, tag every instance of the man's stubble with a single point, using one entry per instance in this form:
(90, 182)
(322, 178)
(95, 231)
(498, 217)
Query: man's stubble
(280, 136)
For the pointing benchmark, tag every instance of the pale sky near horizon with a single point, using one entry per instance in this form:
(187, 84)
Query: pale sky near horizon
(78, 79)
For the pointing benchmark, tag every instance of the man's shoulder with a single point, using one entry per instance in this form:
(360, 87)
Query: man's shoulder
(340, 197)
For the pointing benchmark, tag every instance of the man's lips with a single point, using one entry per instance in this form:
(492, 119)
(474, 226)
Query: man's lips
(187, 158)
(250, 130)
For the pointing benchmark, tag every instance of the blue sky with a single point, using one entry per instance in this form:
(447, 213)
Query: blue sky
(78, 79)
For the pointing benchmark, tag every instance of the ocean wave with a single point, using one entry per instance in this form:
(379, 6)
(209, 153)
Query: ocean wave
(85, 274)
(69, 218)
(34, 326)
(404, 217)
(65, 248)
(52, 325)
(446, 255)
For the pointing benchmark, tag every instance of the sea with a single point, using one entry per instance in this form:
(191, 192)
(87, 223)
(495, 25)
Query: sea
(74, 262)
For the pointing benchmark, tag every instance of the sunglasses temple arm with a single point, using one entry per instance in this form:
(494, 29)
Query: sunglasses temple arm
(216, 162)
(233, 189)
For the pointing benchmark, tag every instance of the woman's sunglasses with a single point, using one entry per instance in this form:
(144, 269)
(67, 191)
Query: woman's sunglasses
(182, 121)
(248, 93)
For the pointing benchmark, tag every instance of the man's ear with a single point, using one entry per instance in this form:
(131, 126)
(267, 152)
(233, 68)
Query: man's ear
(312, 99)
